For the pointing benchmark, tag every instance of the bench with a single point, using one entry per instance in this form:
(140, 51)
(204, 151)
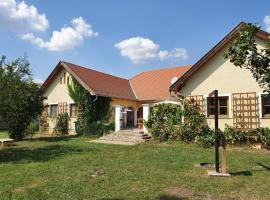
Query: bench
(6, 142)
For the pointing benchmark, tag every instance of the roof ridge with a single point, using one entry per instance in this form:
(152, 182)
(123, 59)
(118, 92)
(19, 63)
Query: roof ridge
(94, 70)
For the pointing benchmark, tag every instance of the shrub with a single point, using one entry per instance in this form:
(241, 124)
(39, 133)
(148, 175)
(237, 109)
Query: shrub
(233, 135)
(99, 128)
(31, 129)
(207, 139)
(264, 136)
(61, 126)
(165, 123)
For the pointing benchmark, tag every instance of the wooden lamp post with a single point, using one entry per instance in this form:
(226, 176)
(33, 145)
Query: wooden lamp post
(217, 142)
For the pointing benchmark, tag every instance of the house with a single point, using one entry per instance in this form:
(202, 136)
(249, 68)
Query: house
(130, 98)
(242, 102)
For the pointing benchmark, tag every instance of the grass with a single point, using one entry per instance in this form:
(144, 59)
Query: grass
(3, 134)
(71, 168)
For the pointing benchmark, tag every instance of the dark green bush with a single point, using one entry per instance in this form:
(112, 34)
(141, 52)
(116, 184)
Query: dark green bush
(264, 137)
(62, 124)
(99, 128)
(207, 139)
(165, 123)
(31, 129)
(234, 135)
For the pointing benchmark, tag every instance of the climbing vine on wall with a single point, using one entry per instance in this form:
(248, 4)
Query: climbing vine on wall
(93, 111)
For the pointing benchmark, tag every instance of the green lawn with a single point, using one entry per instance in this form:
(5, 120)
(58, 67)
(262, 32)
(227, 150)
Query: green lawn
(71, 168)
(3, 134)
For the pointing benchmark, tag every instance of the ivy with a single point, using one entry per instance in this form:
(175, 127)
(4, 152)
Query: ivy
(93, 111)
(61, 126)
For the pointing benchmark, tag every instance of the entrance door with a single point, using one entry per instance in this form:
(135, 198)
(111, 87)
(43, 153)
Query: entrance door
(130, 119)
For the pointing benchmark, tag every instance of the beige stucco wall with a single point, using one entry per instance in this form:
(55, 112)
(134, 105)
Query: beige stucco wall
(125, 103)
(57, 93)
(222, 75)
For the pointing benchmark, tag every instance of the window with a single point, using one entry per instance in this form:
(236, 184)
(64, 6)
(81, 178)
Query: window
(223, 109)
(62, 108)
(61, 80)
(64, 78)
(68, 80)
(266, 105)
(73, 110)
(53, 110)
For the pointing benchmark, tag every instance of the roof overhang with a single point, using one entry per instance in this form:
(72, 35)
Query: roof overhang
(61, 65)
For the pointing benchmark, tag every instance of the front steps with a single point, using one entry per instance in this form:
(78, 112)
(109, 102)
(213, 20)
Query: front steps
(125, 137)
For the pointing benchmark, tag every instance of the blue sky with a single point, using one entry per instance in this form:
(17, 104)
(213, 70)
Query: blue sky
(125, 37)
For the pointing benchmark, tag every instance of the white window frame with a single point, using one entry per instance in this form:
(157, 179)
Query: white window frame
(259, 96)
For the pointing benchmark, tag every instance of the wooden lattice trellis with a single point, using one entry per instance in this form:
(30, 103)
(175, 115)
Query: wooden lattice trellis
(62, 108)
(245, 111)
(197, 101)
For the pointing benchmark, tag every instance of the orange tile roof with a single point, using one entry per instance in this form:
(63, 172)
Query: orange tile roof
(103, 84)
(155, 84)
(148, 85)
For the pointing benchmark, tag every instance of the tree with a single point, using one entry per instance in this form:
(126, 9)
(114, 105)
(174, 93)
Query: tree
(21, 100)
(243, 52)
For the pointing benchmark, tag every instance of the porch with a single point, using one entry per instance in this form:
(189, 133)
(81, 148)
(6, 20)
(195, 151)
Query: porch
(129, 117)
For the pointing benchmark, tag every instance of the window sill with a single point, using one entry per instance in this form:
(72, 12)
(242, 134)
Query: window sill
(220, 117)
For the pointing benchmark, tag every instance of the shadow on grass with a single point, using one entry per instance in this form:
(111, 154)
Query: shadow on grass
(249, 173)
(53, 138)
(241, 173)
(39, 154)
(170, 197)
(263, 166)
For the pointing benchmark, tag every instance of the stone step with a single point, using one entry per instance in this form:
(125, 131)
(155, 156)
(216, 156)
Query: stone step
(147, 137)
(129, 136)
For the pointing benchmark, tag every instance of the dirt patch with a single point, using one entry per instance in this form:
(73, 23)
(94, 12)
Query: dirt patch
(23, 189)
(183, 193)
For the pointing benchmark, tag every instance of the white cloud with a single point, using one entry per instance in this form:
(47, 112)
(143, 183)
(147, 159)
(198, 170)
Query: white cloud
(140, 50)
(65, 39)
(38, 81)
(266, 21)
(21, 18)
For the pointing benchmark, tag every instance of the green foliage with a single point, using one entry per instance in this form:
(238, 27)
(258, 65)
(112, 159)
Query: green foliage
(61, 126)
(264, 136)
(195, 123)
(165, 123)
(235, 136)
(31, 129)
(21, 100)
(100, 128)
(93, 111)
(207, 139)
(243, 52)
